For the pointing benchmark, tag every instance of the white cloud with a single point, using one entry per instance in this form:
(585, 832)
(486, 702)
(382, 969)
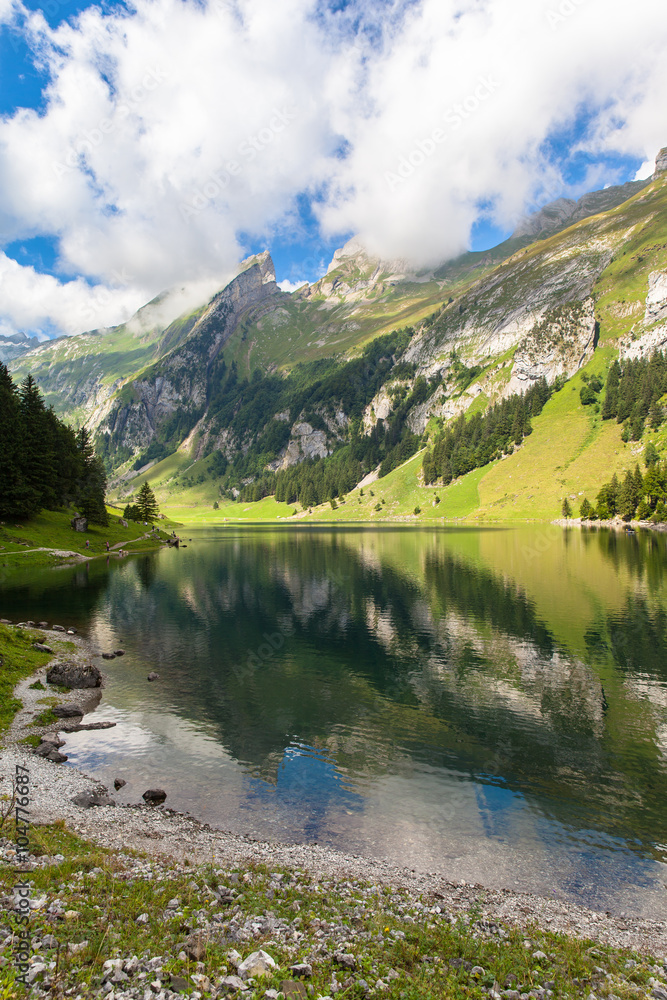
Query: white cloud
(291, 286)
(171, 130)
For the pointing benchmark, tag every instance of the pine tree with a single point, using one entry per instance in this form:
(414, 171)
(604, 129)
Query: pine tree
(566, 510)
(40, 468)
(627, 497)
(17, 497)
(147, 504)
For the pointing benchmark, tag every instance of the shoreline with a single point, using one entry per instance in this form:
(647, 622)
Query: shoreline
(164, 833)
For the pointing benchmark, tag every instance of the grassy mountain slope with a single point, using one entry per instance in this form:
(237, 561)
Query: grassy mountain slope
(571, 450)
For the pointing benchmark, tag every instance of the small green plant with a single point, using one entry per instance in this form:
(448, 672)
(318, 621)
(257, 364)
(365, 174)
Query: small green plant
(418, 510)
(37, 686)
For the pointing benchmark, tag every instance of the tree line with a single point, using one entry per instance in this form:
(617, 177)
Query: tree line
(637, 495)
(472, 442)
(46, 465)
(634, 391)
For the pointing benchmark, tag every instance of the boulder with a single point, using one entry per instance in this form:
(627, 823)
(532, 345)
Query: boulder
(293, 990)
(302, 970)
(41, 647)
(89, 799)
(74, 675)
(234, 984)
(177, 983)
(119, 652)
(345, 960)
(258, 964)
(119, 783)
(153, 676)
(154, 796)
(68, 711)
(195, 946)
(79, 523)
(108, 656)
(58, 628)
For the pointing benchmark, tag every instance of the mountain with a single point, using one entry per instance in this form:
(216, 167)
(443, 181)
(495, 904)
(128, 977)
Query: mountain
(369, 362)
(14, 345)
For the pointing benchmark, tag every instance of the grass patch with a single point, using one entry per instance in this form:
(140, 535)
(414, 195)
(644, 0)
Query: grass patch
(17, 660)
(45, 718)
(417, 948)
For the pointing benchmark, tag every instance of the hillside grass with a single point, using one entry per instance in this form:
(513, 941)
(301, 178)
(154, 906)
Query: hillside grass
(18, 659)
(52, 530)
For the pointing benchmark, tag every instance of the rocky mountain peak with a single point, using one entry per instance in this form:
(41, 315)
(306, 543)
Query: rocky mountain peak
(661, 163)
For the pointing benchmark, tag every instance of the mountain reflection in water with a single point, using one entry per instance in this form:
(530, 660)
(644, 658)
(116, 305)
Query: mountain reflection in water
(488, 702)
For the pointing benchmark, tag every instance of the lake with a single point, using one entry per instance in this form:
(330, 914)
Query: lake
(490, 703)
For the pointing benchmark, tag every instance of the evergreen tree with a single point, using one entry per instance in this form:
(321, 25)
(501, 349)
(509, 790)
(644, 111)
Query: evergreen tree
(17, 497)
(40, 470)
(566, 510)
(627, 497)
(147, 504)
(651, 455)
(586, 511)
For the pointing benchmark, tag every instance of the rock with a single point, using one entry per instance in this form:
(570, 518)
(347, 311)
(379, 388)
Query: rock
(477, 971)
(47, 749)
(58, 628)
(71, 631)
(123, 522)
(143, 918)
(539, 956)
(89, 727)
(154, 796)
(302, 969)
(345, 961)
(293, 990)
(177, 983)
(108, 656)
(659, 993)
(234, 984)
(234, 958)
(74, 675)
(195, 946)
(460, 963)
(68, 711)
(118, 976)
(37, 969)
(43, 624)
(41, 647)
(79, 523)
(49, 941)
(55, 757)
(258, 964)
(119, 783)
(661, 163)
(89, 799)
(53, 740)
(119, 652)
(153, 676)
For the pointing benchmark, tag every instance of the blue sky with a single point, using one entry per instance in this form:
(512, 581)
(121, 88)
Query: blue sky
(126, 169)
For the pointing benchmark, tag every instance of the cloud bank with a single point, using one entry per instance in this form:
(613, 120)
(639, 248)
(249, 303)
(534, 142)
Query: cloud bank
(173, 133)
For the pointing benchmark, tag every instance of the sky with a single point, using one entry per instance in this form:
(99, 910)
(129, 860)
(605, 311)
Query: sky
(152, 145)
